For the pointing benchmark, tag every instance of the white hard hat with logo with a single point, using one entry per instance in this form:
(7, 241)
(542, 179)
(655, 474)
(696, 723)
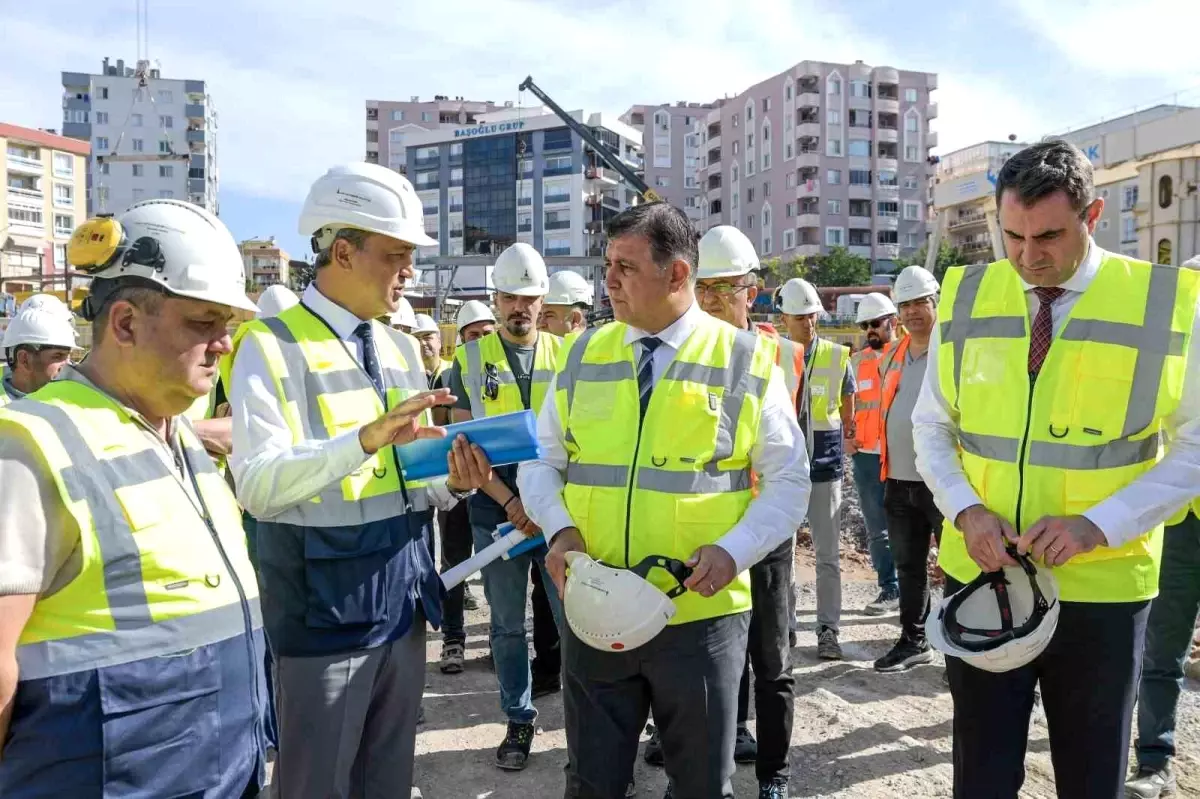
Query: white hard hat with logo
(520, 270)
(568, 288)
(616, 610)
(38, 327)
(173, 246)
(874, 306)
(473, 311)
(798, 297)
(368, 197)
(45, 302)
(425, 324)
(913, 283)
(1190, 263)
(1001, 620)
(725, 251)
(404, 315)
(275, 300)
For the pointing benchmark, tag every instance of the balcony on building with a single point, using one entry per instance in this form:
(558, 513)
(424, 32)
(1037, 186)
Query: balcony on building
(808, 220)
(524, 201)
(601, 174)
(372, 114)
(887, 90)
(714, 211)
(889, 221)
(455, 158)
(558, 251)
(456, 208)
(808, 95)
(966, 219)
(807, 132)
(808, 250)
(25, 160)
(808, 188)
(887, 191)
(557, 224)
(195, 135)
(456, 233)
(889, 251)
(931, 82)
(861, 250)
(714, 182)
(859, 191)
(714, 156)
(558, 198)
(551, 171)
(859, 218)
(932, 111)
(808, 158)
(931, 139)
(428, 162)
(977, 246)
(194, 111)
(808, 72)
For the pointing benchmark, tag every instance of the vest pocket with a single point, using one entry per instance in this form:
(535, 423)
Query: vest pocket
(161, 724)
(345, 569)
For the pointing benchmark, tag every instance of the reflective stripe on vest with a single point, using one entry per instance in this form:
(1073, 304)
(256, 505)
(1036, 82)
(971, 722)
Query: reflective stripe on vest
(825, 376)
(683, 479)
(867, 401)
(473, 358)
(326, 393)
(153, 575)
(1094, 420)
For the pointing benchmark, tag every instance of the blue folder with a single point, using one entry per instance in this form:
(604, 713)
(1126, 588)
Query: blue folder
(507, 438)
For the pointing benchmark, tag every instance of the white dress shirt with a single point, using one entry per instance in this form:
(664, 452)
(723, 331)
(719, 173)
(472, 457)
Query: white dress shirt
(271, 472)
(778, 458)
(1146, 502)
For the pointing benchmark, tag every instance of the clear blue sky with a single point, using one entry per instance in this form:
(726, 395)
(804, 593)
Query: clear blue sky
(289, 79)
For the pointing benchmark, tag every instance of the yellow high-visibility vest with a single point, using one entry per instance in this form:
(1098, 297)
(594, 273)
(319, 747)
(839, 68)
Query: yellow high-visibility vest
(826, 372)
(681, 478)
(1093, 421)
(153, 576)
(484, 366)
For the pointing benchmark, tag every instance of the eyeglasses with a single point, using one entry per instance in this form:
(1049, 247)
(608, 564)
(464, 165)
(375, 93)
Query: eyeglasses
(491, 381)
(873, 324)
(722, 290)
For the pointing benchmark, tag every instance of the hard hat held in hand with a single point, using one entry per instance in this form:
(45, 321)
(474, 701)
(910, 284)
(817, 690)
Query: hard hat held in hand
(38, 327)
(404, 315)
(616, 610)
(275, 300)
(473, 311)
(726, 252)
(368, 197)
(424, 324)
(520, 270)
(568, 288)
(1000, 621)
(874, 306)
(799, 298)
(171, 245)
(913, 283)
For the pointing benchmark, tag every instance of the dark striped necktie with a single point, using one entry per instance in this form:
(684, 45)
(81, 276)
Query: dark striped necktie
(646, 371)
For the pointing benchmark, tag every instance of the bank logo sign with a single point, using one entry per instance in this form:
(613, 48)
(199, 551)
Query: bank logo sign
(487, 130)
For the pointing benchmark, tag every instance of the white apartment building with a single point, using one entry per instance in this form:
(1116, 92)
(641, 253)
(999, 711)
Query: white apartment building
(671, 140)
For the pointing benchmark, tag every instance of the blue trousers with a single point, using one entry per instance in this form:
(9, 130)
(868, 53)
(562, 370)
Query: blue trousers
(870, 499)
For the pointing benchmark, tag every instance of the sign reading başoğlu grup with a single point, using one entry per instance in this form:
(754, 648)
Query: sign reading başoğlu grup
(487, 130)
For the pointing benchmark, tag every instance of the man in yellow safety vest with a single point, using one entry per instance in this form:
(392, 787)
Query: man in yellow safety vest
(37, 345)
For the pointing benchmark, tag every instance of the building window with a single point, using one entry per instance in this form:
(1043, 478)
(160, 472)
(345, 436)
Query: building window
(689, 181)
(749, 111)
(766, 189)
(789, 239)
(104, 168)
(910, 95)
(834, 147)
(835, 207)
(912, 124)
(60, 256)
(662, 181)
(787, 151)
(766, 156)
(734, 201)
(883, 208)
(749, 141)
(787, 92)
(787, 210)
(166, 171)
(833, 116)
(101, 142)
(834, 86)
(64, 194)
(138, 170)
(662, 120)
(833, 177)
(64, 224)
(1165, 193)
(426, 116)
(911, 153)
(397, 116)
(1129, 198)
(26, 216)
(860, 88)
(860, 177)
(834, 236)
(910, 182)
(166, 122)
(790, 180)
(101, 117)
(749, 164)
(860, 147)
(139, 145)
(1128, 229)
(736, 147)
(1164, 251)
(135, 120)
(662, 156)
(887, 177)
(166, 194)
(910, 241)
(734, 174)
(102, 92)
(766, 104)
(887, 237)
(735, 121)
(750, 194)
(750, 222)
(164, 146)
(64, 165)
(912, 211)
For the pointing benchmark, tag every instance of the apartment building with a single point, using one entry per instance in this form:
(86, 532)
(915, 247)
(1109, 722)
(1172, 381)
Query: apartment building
(43, 198)
(266, 262)
(823, 155)
(389, 123)
(671, 141)
(151, 136)
(964, 197)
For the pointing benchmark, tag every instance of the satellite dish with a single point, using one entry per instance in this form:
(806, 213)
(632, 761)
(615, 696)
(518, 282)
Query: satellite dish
(1012, 137)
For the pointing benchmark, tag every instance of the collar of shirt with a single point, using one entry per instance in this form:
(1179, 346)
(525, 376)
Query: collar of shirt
(342, 321)
(10, 389)
(674, 334)
(1084, 275)
(810, 349)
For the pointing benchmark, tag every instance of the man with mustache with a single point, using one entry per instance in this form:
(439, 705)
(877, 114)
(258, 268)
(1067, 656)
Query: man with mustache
(503, 372)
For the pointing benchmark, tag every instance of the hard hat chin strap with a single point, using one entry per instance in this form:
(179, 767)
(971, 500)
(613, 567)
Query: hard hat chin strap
(676, 568)
(987, 640)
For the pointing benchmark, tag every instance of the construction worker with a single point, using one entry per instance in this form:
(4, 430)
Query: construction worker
(826, 409)
(320, 395)
(403, 318)
(877, 318)
(38, 345)
(429, 335)
(475, 320)
(1169, 631)
(565, 309)
(506, 371)
(913, 518)
(131, 649)
(1061, 419)
(646, 400)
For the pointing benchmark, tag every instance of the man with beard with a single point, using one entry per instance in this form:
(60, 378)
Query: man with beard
(504, 372)
(877, 318)
(429, 336)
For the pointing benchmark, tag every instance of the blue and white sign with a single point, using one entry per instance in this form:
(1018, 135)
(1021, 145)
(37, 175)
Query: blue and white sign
(488, 130)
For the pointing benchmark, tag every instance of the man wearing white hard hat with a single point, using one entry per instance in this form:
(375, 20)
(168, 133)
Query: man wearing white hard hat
(426, 331)
(913, 519)
(322, 394)
(826, 410)
(565, 308)
(657, 423)
(48, 303)
(38, 345)
(474, 321)
(507, 371)
(877, 319)
(129, 612)
(1060, 417)
(404, 318)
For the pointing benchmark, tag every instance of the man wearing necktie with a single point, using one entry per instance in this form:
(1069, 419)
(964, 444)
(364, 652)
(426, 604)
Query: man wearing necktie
(650, 430)
(1060, 417)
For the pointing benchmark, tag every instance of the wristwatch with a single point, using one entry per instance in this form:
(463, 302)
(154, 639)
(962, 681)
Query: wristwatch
(460, 495)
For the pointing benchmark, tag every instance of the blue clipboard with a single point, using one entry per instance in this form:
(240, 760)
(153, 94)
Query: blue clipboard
(506, 439)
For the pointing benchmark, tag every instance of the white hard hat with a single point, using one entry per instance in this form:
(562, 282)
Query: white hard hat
(1190, 263)
(726, 252)
(520, 270)
(425, 324)
(367, 197)
(875, 306)
(568, 288)
(45, 302)
(275, 300)
(913, 283)
(404, 315)
(799, 298)
(473, 311)
(40, 327)
(175, 245)
(616, 610)
(1001, 620)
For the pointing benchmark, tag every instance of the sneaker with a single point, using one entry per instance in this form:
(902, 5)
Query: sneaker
(545, 684)
(452, 659)
(828, 647)
(745, 748)
(776, 788)
(513, 752)
(653, 755)
(670, 792)
(793, 639)
(904, 655)
(415, 793)
(1151, 783)
(630, 789)
(887, 602)
(469, 600)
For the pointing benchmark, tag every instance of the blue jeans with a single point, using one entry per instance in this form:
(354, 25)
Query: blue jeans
(870, 499)
(1168, 641)
(506, 588)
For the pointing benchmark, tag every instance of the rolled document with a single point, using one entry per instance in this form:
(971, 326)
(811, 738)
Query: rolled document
(457, 574)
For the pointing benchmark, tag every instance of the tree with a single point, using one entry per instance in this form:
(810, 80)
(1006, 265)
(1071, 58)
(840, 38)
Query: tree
(839, 268)
(301, 275)
(947, 256)
(777, 271)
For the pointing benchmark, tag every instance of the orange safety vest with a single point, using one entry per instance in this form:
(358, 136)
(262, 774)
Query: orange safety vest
(794, 371)
(890, 366)
(867, 399)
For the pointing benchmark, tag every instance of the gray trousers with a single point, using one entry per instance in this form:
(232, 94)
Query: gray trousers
(348, 722)
(825, 519)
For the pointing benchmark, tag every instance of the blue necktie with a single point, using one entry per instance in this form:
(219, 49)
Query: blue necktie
(646, 371)
(370, 357)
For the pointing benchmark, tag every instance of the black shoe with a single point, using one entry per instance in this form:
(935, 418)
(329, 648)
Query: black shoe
(888, 601)
(670, 792)
(1151, 783)
(904, 655)
(828, 647)
(469, 601)
(653, 755)
(513, 752)
(793, 639)
(776, 788)
(745, 748)
(545, 684)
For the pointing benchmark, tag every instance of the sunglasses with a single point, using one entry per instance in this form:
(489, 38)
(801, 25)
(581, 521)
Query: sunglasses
(491, 381)
(874, 324)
